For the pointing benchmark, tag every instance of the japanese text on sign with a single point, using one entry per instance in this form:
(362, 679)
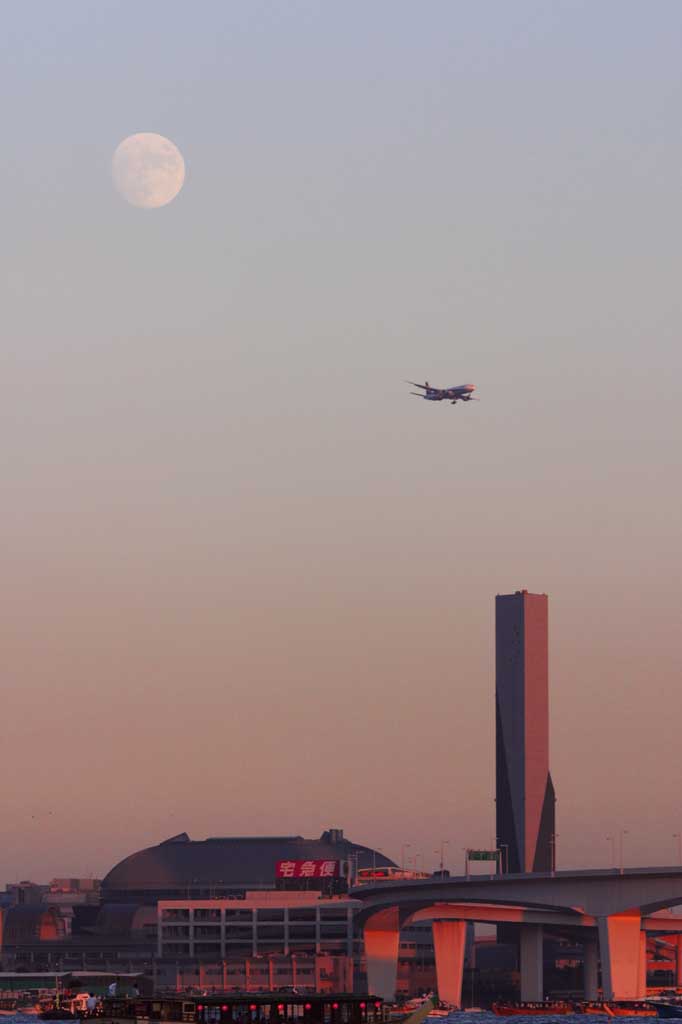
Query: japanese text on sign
(307, 869)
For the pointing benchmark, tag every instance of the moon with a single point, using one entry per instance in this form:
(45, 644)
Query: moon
(148, 170)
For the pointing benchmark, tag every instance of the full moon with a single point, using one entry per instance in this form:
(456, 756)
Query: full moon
(148, 169)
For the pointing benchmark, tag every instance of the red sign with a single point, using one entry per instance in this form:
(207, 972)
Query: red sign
(307, 869)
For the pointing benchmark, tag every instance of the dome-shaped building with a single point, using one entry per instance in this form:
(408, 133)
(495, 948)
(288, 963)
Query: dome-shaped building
(182, 868)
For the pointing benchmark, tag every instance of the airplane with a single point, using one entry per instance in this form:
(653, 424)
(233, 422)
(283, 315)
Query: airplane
(462, 393)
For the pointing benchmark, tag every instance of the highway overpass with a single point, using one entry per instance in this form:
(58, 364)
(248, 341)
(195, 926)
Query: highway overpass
(610, 912)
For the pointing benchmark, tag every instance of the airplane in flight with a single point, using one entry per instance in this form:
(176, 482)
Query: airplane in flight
(462, 393)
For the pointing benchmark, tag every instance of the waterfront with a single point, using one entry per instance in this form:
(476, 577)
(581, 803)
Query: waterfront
(487, 1017)
(457, 1017)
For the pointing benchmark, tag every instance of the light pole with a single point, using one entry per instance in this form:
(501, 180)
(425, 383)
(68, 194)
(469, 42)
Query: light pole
(443, 844)
(678, 836)
(612, 840)
(552, 841)
(623, 833)
(405, 846)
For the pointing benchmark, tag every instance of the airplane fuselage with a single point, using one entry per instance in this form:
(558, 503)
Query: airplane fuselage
(462, 393)
(459, 393)
(439, 394)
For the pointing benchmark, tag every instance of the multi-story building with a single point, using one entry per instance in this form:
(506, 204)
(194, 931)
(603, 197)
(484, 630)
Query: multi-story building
(260, 923)
(232, 909)
(265, 940)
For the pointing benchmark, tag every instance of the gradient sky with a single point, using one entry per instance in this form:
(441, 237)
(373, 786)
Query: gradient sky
(248, 580)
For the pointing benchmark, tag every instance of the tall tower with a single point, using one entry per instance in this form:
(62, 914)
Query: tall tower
(525, 794)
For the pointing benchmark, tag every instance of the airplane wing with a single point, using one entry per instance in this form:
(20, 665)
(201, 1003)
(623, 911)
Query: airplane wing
(415, 385)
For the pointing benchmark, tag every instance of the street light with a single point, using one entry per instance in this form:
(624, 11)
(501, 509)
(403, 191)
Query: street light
(678, 836)
(503, 849)
(623, 833)
(552, 842)
(405, 846)
(443, 844)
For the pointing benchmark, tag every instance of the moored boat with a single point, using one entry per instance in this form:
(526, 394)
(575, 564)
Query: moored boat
(277, 1007)
(630, 1009)
(550, 1008)
(669, 1010)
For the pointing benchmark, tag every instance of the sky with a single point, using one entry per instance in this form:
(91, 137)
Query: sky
(248, 579)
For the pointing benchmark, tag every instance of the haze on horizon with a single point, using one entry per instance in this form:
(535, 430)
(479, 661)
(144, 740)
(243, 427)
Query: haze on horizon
(248, 580)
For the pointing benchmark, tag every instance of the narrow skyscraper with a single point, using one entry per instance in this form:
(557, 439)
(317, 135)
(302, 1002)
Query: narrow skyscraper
(525, 794)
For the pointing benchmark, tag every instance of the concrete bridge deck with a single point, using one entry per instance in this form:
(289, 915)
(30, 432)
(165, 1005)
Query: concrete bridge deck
(611, 912)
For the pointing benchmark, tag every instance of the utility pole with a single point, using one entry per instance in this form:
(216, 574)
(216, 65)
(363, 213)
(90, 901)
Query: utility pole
(624, 833)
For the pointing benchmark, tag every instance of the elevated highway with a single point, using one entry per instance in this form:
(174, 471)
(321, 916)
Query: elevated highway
(610, 912)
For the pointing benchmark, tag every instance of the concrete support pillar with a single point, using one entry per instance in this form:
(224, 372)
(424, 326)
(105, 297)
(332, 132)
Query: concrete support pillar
(620, 953)
(382, 942)
(678, 962)
(449, 941)
(641, 987)
(590, 965)
(531, 963)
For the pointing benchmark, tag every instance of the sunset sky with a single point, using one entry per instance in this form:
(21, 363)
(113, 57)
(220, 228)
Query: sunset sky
(248, 579)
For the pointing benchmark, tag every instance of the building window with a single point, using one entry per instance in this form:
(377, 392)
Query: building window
(333, 914)
(302, 915)
(239, 934)
(271, 931)
(333, 931)
(270, 915)
(207, 915)
(333, 946)
(174, 914)
(174, 948)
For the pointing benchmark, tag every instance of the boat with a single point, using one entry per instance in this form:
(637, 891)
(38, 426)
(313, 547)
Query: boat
(22, 1004)
(669, 1010)
(636, 1008)
(275, 1007)
(619, 1008)
(550, 1008)
(64, 1006)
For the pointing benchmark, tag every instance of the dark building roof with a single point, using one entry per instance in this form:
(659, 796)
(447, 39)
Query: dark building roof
(181, 867)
